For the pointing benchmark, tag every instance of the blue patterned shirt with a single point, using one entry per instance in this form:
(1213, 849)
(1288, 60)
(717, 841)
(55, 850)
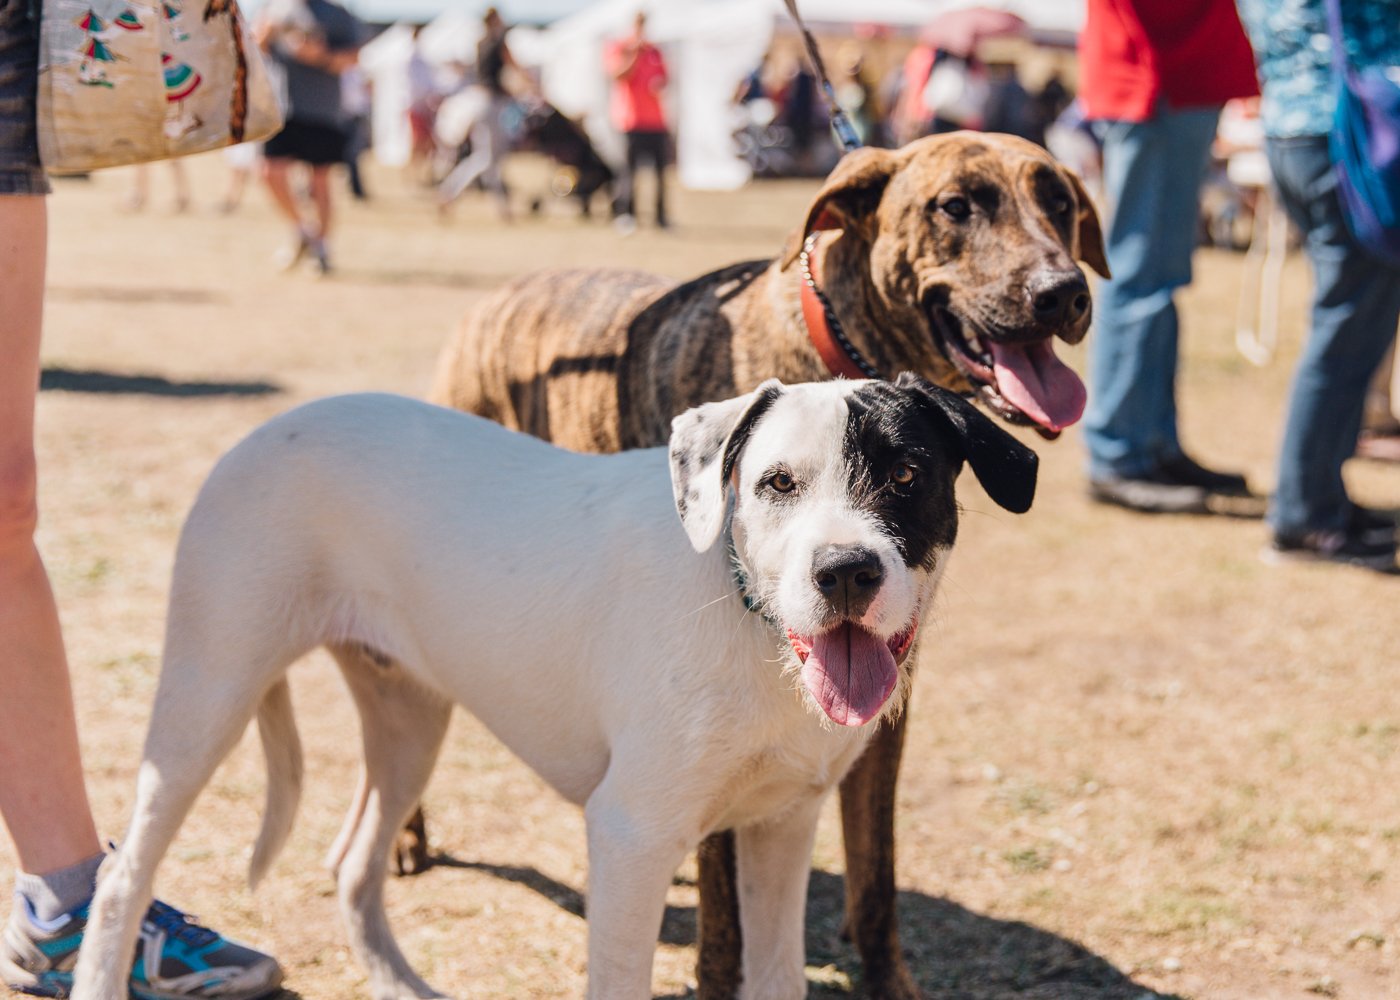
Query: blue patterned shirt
(1294, 54)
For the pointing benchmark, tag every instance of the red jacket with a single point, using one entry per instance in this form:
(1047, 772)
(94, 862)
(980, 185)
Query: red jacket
(1188, 53)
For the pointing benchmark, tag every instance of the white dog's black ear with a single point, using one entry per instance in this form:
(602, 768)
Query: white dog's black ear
(705, 445)
(1004, 466)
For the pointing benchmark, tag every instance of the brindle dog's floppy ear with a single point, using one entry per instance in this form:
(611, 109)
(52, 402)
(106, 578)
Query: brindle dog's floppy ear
(1090, 235)
(848, 198)
(1004, 466)
(705, 445)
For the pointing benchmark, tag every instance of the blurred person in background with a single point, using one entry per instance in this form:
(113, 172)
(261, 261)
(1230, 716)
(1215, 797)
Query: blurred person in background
(956, 93)
(242, 161)
(423, 97)
(313, 42)
(355, 102)
(858, 98)
(1009, 107)
(1356, 294)
(489, 134)
(797, 100)
(1153, 78)
(140, 193)
(904, 96)
(639, 75)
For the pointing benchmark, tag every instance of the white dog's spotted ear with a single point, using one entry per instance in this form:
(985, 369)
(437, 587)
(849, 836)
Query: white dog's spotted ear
(705, 445)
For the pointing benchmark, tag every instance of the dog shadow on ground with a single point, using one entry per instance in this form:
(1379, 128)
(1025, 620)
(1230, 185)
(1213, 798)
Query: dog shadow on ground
(954, 953)
(112, 383)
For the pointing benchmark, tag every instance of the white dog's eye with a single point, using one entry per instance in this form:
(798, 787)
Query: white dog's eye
(902, 474)
(782, 482)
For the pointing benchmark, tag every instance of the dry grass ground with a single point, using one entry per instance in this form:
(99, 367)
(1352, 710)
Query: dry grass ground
(1140, 760)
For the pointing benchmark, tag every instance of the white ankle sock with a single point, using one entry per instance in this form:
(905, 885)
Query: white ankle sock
(52, 896)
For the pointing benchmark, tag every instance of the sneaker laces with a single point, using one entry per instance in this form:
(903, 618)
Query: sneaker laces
(180, 926)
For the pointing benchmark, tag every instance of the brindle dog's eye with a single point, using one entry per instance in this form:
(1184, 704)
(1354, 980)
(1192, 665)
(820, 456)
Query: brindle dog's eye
(1061, 206)
(902, 474)
(781, 482)
(957, 208)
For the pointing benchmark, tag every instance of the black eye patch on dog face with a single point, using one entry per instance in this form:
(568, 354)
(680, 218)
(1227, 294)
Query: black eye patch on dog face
(906, 441)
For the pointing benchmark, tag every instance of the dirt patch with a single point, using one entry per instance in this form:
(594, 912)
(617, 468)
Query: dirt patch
(1140, 760)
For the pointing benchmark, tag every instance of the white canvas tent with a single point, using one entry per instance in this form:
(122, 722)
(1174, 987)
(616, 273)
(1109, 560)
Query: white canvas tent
(710, 46)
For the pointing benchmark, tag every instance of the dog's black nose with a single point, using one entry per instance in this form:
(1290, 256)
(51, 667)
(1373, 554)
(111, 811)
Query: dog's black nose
(848, 576)
(1059, 297)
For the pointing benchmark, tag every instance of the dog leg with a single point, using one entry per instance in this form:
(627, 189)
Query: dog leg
(775, 860)
(403, 724)
(191, 731)
(718, 972)
(632, 854)
(336, 855)
(867, 824)
(410, 855)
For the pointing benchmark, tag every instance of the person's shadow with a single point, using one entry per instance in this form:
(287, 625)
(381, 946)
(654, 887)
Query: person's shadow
(954, 953)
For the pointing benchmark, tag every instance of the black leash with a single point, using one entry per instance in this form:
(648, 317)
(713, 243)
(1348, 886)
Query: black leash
(840, 124)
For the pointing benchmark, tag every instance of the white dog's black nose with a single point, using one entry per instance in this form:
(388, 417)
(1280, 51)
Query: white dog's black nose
(848, 576)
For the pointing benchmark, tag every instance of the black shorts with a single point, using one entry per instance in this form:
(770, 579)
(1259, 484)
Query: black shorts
(20, 172)
(313, 143)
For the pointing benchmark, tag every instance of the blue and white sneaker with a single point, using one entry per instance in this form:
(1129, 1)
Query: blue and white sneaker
(176, 958)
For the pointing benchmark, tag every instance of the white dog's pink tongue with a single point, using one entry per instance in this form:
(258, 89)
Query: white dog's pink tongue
(851, 673)
(1040, 385)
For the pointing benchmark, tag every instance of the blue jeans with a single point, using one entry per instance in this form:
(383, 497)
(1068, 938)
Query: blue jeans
(1152, 176)
(1355, 310)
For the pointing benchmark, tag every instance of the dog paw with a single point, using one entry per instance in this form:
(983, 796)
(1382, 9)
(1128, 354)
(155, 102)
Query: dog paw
(411, 848)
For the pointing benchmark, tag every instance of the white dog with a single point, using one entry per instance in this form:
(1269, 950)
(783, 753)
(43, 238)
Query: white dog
(444, 559)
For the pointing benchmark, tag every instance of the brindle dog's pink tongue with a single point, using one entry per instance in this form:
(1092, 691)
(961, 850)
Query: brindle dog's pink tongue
(851, 673)
(1040, 385)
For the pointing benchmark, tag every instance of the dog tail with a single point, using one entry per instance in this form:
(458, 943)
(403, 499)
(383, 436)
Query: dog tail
(282, 750)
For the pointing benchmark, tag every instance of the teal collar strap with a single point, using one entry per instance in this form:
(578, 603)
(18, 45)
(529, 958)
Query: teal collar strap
(741, 580)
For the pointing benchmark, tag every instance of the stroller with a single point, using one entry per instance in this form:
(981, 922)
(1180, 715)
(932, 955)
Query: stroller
(582, 172)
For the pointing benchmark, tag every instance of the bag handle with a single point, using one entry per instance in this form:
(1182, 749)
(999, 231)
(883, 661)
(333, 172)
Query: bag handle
(1340, 63)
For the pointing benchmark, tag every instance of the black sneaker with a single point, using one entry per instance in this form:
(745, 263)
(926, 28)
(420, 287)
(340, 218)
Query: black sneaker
(1149, 494)
(1348, 547)
(1371, 525)
(1185, 471)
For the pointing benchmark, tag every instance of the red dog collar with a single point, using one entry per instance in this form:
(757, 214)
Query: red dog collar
(823, 328)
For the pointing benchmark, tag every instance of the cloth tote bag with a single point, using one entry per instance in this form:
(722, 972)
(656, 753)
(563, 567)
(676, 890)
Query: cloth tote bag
(127, 81)
(1365, 145)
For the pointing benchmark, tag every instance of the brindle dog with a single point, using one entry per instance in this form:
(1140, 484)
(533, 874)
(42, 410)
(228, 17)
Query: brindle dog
(955, 259)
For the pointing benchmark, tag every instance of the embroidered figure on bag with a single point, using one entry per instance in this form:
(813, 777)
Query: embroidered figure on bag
(128, 21)
(171, 11)
(92, 71)
(181, 80)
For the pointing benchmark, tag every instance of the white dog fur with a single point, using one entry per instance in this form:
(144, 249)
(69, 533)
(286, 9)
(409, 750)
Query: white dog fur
(555, 595)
